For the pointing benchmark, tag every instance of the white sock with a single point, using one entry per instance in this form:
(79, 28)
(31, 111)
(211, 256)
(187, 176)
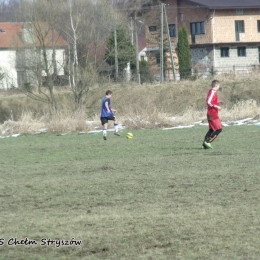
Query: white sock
(104, 132)
(116, 127)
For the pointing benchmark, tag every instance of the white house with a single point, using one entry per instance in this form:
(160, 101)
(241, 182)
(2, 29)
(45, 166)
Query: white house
(21, 53)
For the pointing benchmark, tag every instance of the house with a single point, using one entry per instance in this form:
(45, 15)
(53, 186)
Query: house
(152, 21)
(21, 54)
(224, 35)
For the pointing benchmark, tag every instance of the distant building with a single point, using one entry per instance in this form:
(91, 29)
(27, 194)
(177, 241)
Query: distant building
(21, 54)
(224, 35)
(152, 20)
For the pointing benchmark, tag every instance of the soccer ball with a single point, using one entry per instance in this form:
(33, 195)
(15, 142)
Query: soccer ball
(129, 136)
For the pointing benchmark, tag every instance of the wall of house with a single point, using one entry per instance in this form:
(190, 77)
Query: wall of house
(220, 32)
(60, 57)
(251, 58)
(172, 15)
(219, 24)
(188, 13)
(153, 18)
(201, 59)
(224, 24)
(204, 58)
(7, 65)
(60, 54)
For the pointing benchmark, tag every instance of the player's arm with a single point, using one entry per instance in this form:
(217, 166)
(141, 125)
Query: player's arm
(219, 103)
(107, 107)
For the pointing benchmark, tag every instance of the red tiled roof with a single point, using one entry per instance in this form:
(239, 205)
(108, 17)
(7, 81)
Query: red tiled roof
(142, 43)
(11, 36)
(224, 4)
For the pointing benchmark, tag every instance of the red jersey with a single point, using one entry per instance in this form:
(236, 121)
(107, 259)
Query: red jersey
(212, 102)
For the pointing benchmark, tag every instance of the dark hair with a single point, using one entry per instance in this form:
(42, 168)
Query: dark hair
(108, 92)
(214, 83)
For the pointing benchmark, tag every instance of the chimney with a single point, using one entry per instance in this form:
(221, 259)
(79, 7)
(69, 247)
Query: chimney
(28, 37)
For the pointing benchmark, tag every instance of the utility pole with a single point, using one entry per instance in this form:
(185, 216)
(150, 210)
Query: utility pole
(170, 44)
(161, 48)
(116, 53)
(132, 30)
(137, 52)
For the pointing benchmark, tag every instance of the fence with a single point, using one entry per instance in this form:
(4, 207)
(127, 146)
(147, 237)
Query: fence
(199, 72)
(234, 70)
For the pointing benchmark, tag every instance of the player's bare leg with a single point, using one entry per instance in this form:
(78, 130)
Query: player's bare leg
(105, 131)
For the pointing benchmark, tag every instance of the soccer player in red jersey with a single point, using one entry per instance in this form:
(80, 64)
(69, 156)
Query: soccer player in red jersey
(215, 126)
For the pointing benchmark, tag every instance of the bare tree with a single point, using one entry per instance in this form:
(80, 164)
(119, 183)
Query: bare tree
(8, 10)
(140, 6)
(2, 75)
(40, 39)
(86, 25)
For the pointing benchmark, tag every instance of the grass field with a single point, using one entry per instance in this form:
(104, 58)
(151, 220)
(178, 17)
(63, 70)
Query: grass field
(156, 196)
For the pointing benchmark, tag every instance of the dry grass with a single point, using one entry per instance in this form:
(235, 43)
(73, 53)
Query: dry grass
(62, 122)
(27, 124)
(139, 106)
(146, 118)
(240, 110)
(154, 118)
(67, 121)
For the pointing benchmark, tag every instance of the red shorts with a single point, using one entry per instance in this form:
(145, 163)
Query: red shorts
(214, 122)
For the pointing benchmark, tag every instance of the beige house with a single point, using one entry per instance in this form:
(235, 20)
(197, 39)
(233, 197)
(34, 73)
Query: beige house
(224, 35)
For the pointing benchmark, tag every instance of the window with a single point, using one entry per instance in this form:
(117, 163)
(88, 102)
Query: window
(197, 28)
(21, 78)
(172, 30)
(239, 26)
(258, 26)
(25, 58)
(157, 57)
(224, 52)
(152, 28)
(239, 11)
(20, 58)
(241, 51)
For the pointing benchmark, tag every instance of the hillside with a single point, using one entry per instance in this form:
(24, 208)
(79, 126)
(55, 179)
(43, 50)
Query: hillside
(140, 106)
(175, 98)
(159, 103)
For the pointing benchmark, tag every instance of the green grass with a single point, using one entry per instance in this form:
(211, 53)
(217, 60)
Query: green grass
(156, 196)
